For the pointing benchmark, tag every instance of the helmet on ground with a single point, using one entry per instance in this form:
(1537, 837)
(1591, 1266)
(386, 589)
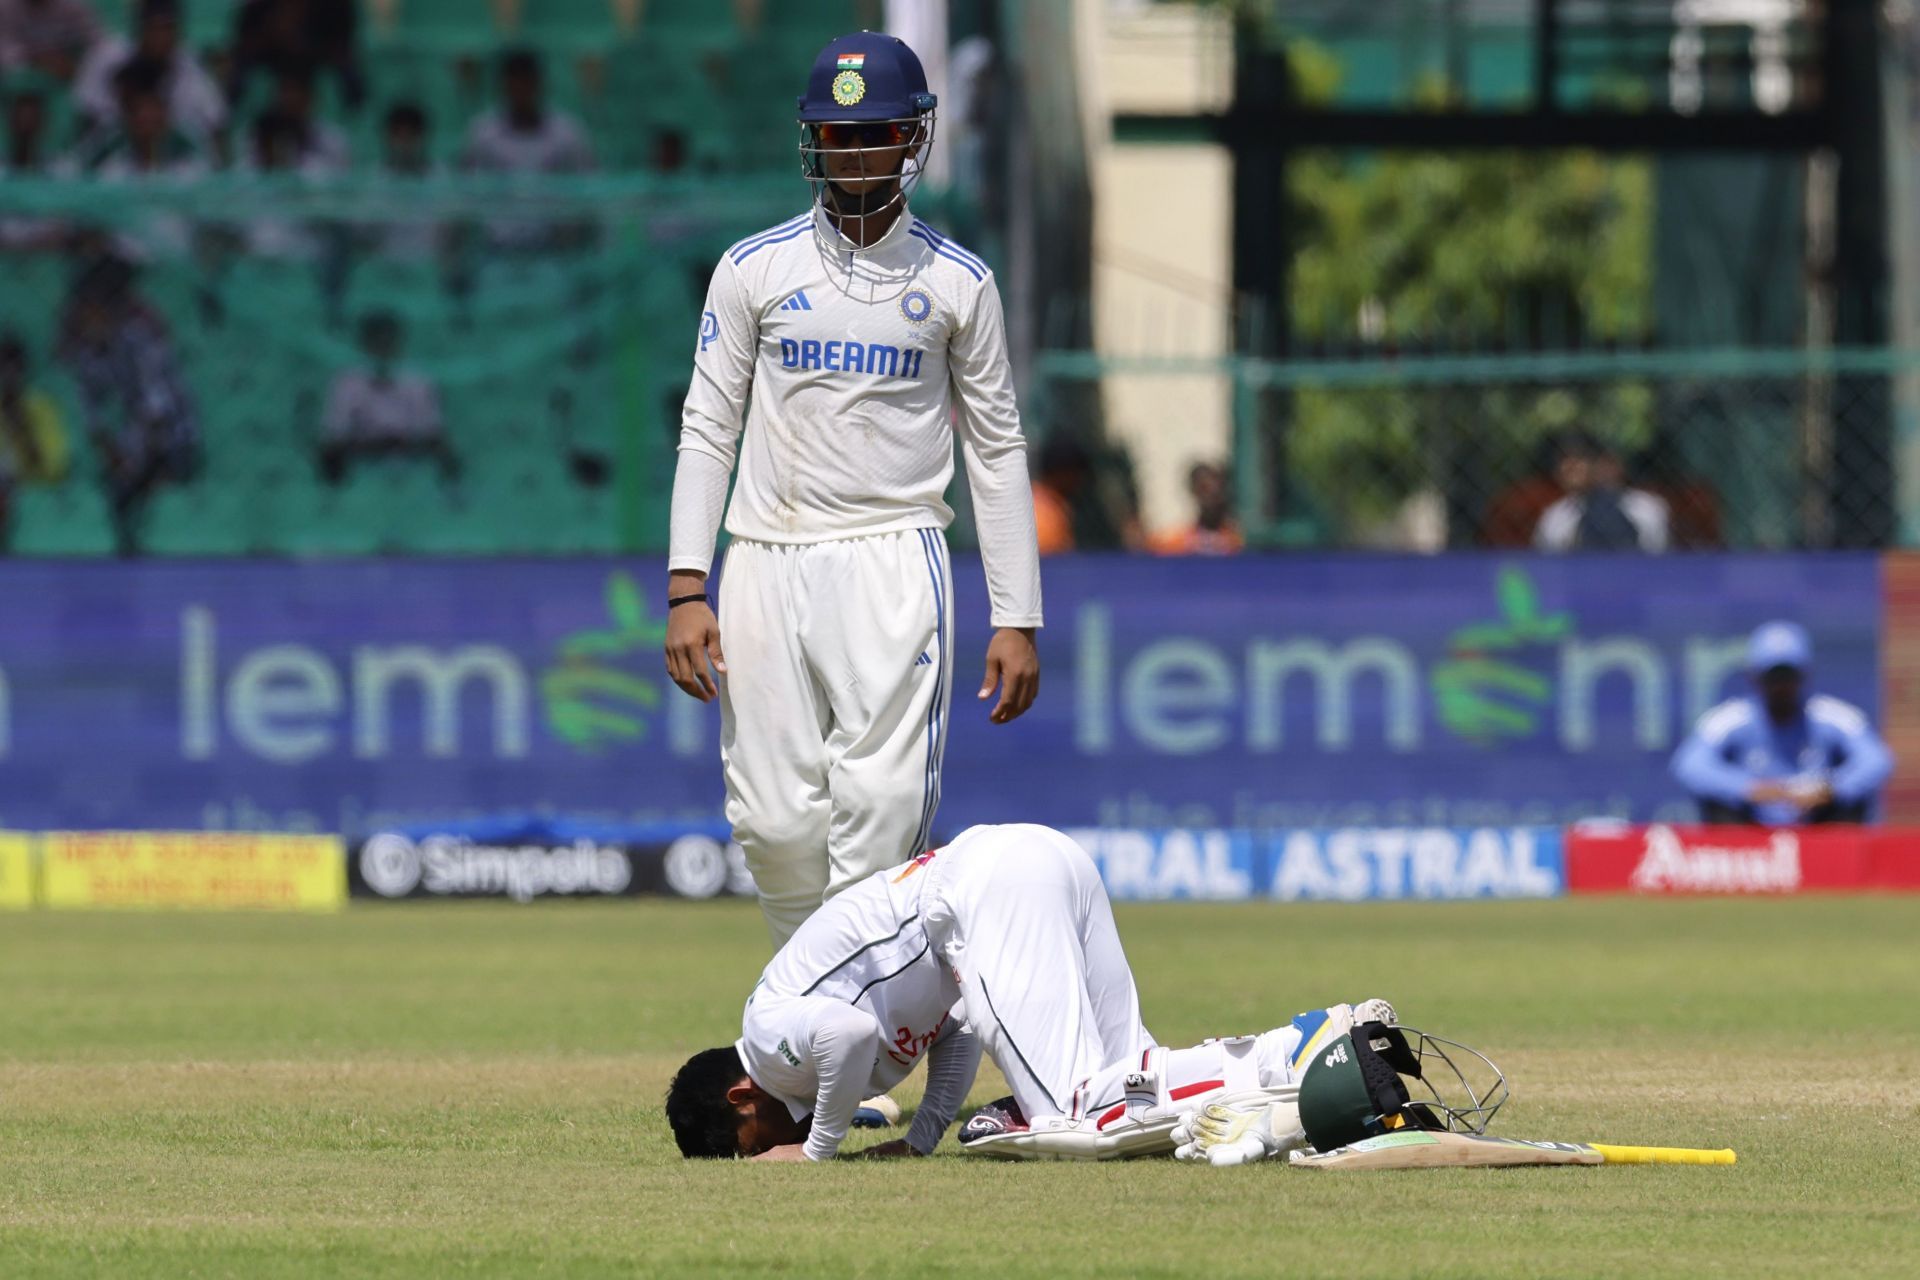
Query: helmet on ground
(1379, 1079)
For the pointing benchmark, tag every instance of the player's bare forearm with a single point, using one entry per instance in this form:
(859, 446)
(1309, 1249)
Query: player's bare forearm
(693, 637)
(1013, 665)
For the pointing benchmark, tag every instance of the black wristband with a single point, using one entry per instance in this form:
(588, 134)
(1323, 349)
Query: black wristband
(677, 601)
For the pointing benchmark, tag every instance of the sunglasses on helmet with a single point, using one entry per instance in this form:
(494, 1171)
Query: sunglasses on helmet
(878, 133)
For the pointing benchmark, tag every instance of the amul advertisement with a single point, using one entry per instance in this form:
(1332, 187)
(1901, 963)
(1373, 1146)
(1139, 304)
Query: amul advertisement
(1254, 692)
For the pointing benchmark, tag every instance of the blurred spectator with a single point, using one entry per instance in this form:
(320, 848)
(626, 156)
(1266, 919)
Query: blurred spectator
(1515, 511)
(524, 134)
(1214, 532)
(382, 411)
(33, 439)
(1778, 756)
(1065, 472)
(194, 102)
(140, 416)
(313, 147)
(404, 151)
(26, 152)
(669, 151)
(1693, 506)
(26, 156)
(50, 36)
(1598, 512)
(142, 141)
(274, 35)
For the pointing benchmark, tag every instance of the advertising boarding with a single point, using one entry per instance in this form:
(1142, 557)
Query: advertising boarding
(1345, 693)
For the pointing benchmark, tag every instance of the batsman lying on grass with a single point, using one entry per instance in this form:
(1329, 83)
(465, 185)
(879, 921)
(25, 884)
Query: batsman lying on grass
(1004, 941)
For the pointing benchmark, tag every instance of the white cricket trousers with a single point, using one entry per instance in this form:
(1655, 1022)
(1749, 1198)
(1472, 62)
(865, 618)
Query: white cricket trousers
(833, 711)
(1020, 914)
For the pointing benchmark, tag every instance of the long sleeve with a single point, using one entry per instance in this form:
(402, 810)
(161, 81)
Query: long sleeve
(951, 1066)
(988, 421)
(1868, 762)
(711, 420)
(1700, 767)
(699, 500)
(716, 404)
(842, 1043)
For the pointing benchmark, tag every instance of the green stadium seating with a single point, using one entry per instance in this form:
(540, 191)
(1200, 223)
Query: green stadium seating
(580, 351)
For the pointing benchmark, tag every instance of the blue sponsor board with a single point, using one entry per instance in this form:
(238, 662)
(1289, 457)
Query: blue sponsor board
(1350, 864)
(1254, 693)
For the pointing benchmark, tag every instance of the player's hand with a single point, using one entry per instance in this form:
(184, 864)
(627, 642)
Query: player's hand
(1013, 664)
(1812, 793)
(693, 640)
(792, 1153)
(899, 1148)
(1771, 793)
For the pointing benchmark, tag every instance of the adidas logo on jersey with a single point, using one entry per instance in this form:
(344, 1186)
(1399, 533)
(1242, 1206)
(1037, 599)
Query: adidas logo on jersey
(923, 661)
(798, 302)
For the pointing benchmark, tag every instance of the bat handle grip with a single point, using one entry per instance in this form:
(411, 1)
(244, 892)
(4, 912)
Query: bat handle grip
(1663, 1155)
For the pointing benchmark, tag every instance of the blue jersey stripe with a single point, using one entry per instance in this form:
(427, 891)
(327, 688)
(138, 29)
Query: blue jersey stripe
(948, 251)
(773, 230)
(785, 231)
(743, 256)
(951, 255)
(949, 242)
(930, 548)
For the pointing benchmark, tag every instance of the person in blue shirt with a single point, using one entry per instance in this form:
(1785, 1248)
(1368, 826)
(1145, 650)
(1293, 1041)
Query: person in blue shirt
(1779, 756)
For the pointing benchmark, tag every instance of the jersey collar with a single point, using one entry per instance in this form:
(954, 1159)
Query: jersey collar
(831, 237)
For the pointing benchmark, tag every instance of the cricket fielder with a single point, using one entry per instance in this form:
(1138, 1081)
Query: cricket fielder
(1002, 941)
(850, 343)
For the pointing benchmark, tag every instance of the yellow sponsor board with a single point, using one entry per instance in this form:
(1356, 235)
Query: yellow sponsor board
(16, 870)
(192, 869)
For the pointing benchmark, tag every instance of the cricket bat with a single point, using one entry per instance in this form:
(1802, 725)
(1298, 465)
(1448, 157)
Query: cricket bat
(1422, 1149)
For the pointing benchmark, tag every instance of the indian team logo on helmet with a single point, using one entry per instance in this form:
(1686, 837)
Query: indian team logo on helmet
(849, 87)
(916, 306)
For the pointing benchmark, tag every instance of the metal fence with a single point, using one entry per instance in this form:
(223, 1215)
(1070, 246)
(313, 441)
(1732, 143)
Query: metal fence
(1740, 449)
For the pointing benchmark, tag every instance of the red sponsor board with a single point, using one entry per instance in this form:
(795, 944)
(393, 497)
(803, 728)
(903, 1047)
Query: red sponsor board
(1668, 860)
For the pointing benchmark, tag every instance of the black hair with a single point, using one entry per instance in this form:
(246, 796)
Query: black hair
(406, 115)
(704, 1123)
(300, 72)
(520, 62)
(143, 76)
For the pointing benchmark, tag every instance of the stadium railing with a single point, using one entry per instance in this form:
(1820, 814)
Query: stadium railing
(1751, 449)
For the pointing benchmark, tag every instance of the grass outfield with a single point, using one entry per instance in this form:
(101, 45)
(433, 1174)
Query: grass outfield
(475, 1090)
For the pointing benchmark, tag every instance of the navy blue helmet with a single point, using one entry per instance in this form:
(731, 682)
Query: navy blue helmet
(867, 108)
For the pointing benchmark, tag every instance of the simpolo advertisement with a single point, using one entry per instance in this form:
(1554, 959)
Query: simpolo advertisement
(394, 865)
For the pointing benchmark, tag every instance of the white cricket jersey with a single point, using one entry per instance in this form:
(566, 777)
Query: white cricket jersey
(849, 372)
(864, 954)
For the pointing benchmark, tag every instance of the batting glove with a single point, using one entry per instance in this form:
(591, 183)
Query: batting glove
(1231, 1132)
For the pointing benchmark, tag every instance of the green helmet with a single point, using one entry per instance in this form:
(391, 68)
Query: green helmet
(1357, 1086)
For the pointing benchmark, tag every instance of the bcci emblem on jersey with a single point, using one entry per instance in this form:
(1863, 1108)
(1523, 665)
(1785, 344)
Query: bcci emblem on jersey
(916, 306)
